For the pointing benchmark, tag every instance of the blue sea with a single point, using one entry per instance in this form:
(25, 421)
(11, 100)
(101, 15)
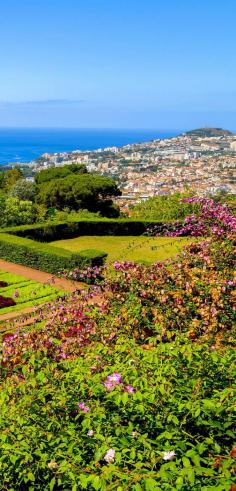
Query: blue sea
(23, 145)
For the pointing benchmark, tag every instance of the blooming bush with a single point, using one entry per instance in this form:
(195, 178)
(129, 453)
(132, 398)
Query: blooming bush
(129, 384)
(62, 429)
(209, 218)
(89, 275)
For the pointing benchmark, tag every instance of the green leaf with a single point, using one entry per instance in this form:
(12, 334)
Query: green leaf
(30, 476)
(52, 483)
(186, 462)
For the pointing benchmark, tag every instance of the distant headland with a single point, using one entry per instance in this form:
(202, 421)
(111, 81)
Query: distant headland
(209, 132)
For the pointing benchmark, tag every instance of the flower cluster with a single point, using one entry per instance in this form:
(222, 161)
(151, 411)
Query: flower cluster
(89, 275)
(116, 379)
(212, 218)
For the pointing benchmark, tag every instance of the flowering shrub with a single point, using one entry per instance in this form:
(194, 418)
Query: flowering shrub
(62, 429)
(194, 293)
(89, 275)
(209, 218)
(128, 385)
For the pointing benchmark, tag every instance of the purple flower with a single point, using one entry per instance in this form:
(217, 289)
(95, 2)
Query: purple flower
(116, 378)
(129, 388)
(83, 408)
(113, 380)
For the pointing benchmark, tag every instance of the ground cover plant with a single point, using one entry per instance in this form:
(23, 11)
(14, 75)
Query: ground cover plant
(24, 292)
(129, 385)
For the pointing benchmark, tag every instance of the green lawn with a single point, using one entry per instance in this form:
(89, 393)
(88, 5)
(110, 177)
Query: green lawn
(140, 249)
(26, 293)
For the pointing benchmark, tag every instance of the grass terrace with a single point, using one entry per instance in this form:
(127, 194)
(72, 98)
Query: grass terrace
(127, 248)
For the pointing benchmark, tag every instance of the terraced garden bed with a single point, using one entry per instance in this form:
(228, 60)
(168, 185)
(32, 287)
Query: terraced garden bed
(25, 293)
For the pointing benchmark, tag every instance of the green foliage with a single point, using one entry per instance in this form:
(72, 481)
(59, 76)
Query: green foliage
(164, 208)
(14, 211)
(23, 190)
(9, 178)
(74, 227)
(182, 402)
(80, 191)
(44, 257)
(59, 172)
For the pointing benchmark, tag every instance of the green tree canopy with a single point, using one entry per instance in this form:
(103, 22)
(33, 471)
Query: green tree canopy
(80, 191)
(10, 177)
(59, 172)
(24, 190)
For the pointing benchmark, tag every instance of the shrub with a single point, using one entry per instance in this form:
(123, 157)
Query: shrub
(6, 302)
(52, 231)
(125, 418)
(44, 257)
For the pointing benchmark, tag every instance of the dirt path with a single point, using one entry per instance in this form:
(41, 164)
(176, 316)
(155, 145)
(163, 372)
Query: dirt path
(41, 277)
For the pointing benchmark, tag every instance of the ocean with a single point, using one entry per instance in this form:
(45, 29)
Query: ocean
(23, 145)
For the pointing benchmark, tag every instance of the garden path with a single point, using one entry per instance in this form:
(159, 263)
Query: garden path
(41, 277)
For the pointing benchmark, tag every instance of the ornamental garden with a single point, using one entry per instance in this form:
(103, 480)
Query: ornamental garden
(128, 382)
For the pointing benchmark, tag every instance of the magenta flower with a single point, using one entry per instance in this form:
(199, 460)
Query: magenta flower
(113, 380)
(83, 408)
(116, 378)
(129, 388)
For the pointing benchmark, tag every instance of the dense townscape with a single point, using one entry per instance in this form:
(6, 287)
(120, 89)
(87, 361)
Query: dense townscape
(203, 160)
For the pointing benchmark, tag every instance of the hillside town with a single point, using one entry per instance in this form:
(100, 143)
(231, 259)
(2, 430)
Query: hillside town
(203, 160)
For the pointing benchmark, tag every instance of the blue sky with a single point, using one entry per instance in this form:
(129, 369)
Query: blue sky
(167, 64)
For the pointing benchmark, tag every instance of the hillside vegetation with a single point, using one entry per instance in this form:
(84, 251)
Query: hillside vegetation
(129, 385)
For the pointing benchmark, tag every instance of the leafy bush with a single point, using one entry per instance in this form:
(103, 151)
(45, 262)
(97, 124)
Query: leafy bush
(163, 208)
(125, 418)
(210, 218)
(74, 227)
(44, 257)
(14, 211)
(129, 385)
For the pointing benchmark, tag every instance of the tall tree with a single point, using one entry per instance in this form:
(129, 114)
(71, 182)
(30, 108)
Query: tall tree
(80, 191)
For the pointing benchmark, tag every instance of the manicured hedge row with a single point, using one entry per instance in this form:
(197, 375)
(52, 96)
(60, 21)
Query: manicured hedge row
(49, 232)
(43, 256)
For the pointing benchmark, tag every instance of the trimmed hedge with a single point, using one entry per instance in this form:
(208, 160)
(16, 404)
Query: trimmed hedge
(45, 257)
(48, 232)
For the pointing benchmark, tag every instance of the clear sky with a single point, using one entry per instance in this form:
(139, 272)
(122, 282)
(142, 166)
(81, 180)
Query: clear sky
(163, 64)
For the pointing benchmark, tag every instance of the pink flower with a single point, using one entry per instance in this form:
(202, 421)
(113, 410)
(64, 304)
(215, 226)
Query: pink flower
(113, 380)
(129, 388)
(116, 378)
(110, 456)
(83, 408)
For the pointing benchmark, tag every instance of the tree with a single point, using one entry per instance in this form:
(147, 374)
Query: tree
(11, 177)
(59, 172)
(16, 212)
(80, 191)
(24, 190)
